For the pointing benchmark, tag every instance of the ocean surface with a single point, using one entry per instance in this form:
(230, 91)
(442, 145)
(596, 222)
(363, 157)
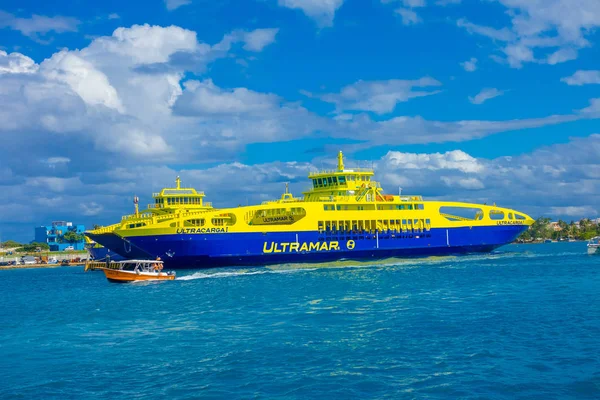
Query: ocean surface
(520, 323)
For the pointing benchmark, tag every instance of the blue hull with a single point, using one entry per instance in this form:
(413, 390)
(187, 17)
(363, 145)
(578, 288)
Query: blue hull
(118, 245)
(251, 249)
(101, 253)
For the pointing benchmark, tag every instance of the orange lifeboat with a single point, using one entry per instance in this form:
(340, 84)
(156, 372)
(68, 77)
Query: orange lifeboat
(138, 270)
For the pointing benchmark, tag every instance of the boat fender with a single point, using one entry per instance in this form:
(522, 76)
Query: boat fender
(137, 271)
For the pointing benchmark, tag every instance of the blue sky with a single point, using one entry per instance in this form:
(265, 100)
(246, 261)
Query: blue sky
(482, 101)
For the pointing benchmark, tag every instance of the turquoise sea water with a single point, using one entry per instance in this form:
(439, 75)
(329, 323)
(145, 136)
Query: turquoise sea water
(521, 323)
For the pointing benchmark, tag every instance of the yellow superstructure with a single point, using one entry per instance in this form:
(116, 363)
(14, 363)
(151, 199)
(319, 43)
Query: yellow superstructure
(341, 200)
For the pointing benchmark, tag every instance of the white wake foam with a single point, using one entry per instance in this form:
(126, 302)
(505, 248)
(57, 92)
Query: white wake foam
(390, 262)
(204, 275)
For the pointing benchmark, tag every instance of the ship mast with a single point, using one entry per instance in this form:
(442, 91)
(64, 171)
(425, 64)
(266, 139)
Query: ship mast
(136, 200)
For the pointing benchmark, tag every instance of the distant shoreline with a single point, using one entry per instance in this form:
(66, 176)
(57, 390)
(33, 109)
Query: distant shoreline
(543, 242)
(30, 266)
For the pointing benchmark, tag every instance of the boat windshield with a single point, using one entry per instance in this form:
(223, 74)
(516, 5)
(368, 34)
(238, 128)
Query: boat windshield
(128, 266)
(141, 266)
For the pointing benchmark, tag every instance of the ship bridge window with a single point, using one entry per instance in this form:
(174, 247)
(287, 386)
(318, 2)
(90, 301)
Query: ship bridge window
(419, 206)
(334, 179)
(227, 219)
(496, 215)
(520, 217)
(510, 216)
(457, 214)
(194, 222)
(342, 180)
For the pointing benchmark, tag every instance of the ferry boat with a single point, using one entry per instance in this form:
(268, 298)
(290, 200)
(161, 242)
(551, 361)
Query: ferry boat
(344, 215)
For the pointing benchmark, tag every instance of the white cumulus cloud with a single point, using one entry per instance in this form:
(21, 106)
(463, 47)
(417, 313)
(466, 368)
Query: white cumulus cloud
(204, 98)
(409, 17)
(542, 31)
(83, 78)
(470, 65)
(258, 39)
(38, 24)
(380, 96)
(582, 77)
(485, 95)
(175, 4)
(16, 63)
(322, 11)
(455, 159)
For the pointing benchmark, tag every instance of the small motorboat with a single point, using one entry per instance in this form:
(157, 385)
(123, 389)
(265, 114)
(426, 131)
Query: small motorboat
(137, 270)
(593, 245)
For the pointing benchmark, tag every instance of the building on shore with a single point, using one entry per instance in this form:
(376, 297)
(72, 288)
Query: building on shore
(61, 235)
(555, 226)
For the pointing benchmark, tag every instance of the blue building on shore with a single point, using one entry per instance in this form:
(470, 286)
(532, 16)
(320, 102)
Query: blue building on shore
(54, 235)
